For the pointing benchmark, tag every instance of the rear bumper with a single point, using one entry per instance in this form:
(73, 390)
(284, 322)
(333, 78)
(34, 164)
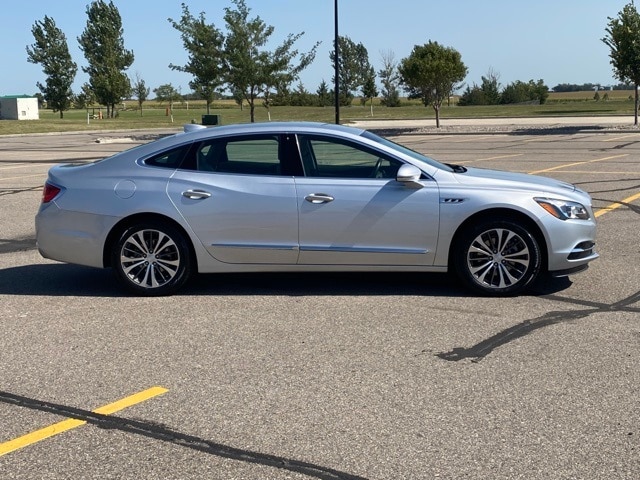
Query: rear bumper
(72, 237)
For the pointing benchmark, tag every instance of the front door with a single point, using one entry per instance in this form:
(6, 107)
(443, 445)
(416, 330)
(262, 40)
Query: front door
(354, 212)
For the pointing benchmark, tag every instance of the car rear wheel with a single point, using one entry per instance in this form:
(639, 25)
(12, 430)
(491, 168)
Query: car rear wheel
(497, 258)
(151, 259)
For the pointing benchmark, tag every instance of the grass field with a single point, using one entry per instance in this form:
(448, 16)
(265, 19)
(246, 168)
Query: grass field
(155, 115)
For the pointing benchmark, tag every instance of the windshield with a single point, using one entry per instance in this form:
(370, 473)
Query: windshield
(407, 151)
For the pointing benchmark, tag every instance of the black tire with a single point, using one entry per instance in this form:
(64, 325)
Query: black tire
(151, 259)
(497, 258)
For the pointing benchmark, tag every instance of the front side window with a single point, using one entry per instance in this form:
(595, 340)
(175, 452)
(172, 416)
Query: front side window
(337, 158)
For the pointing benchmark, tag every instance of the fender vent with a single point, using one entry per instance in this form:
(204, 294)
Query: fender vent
(452, 200)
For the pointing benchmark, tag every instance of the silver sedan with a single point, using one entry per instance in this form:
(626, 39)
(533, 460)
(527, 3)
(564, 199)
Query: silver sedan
(308, 197)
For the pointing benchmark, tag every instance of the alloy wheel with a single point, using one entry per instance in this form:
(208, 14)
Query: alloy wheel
(150, 258)
(498, 258)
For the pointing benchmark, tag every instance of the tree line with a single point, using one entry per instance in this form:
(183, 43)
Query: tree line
(232, 60)
(235, 60)
(490, 92)
(585, 87)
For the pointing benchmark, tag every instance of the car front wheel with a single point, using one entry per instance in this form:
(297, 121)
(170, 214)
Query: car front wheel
(497, 258)
(151, 259)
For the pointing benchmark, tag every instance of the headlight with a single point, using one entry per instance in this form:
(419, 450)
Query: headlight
(564, 209)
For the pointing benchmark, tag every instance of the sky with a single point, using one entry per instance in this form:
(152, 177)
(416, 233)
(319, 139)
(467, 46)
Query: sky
(558, 41)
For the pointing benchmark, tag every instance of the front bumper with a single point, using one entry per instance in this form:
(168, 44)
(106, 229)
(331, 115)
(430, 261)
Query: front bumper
(571, 246)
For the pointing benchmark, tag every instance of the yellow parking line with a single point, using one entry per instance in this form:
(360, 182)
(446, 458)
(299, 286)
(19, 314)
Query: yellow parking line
(475, 138)
(499, 157)
(620, 138)
(600, 172)
(43, 174)
(24, 165)
(71, 423)
(578, 163)
(615, 205)
(491, 158)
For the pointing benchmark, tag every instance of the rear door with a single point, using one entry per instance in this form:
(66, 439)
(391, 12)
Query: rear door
(239, 198)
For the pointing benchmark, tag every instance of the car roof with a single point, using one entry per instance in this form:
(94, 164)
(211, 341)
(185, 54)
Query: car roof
(271, 127)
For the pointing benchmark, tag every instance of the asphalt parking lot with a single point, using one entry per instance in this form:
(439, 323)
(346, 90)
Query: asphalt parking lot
(327, 377)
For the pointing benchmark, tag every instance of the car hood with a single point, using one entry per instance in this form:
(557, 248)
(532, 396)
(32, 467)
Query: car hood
(483, 178)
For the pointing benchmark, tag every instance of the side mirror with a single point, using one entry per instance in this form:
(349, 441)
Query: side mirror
(409, 175)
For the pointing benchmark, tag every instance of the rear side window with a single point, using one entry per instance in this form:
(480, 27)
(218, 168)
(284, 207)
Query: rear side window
(256, 155)
(169, 159)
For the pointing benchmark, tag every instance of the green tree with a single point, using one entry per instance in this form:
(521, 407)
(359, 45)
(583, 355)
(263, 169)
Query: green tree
(623, 38)
(390, 80)
(140, 91)
(85, 98)
(323, 94)
(369, 88)
(488, 93)
(204, 44)
(167, 93)
(473, 95)
(52, 52)
(40, 97)
(251, 69)
(491, 87)
(432, 73)
(353, 66)
(103, 46)
(521, 92)
(516, 92)
(282, 95)
(238, 97)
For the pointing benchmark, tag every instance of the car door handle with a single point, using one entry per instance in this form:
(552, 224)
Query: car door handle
(196, 194)
(318, 198)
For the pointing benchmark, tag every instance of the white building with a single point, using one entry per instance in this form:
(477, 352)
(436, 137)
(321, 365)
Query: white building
(19, 107)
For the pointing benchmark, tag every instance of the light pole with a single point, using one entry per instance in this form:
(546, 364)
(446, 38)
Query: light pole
(336, 64)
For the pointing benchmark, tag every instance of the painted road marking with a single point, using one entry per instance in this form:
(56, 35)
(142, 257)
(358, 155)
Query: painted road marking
(608, 208)
(551, 169)
(615, 205)
(474, 139)
(602, 172)
(24, 165)
(65, 425)
(499, 157)
(620, 138)
(43, 174)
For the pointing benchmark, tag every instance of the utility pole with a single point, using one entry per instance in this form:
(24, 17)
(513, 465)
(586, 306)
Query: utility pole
(336, 65)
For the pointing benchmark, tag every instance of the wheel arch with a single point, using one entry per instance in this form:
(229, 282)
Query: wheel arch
(129, 221)
(501, 214)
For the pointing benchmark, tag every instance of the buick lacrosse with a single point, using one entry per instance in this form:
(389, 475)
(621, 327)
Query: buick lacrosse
(308, 197)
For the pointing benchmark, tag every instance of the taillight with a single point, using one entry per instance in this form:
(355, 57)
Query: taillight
(49, 192)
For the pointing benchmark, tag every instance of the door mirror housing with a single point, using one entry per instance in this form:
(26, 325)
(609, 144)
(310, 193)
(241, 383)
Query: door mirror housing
(409, 175)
